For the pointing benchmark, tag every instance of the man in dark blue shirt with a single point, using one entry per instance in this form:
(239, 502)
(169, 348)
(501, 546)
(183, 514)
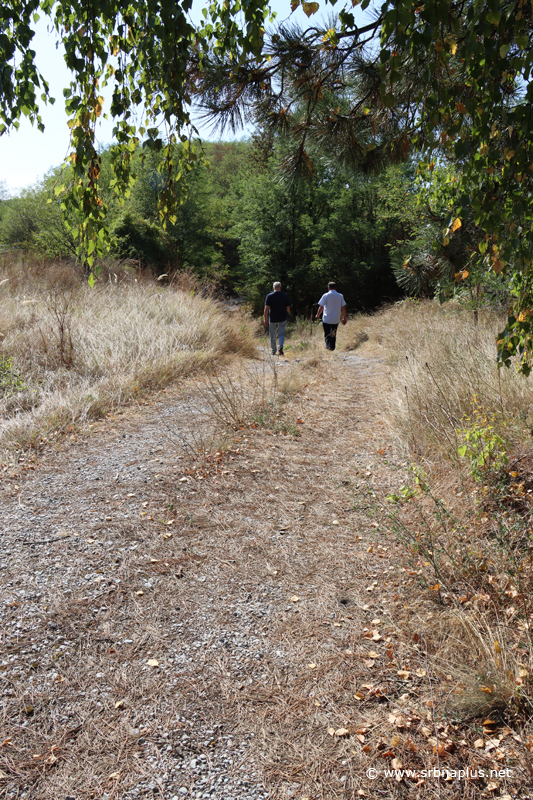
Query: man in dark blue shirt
(277, 307)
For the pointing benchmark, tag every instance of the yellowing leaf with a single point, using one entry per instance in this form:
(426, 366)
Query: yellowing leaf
(99, 105)
(456, 224)
(342, 732)
(310, 8)
(497, 648)
(453, 48)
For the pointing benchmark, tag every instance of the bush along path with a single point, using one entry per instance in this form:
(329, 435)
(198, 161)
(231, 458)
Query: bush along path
(231, 617)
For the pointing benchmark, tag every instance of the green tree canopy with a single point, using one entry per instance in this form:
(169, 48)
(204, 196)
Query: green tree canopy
(142, 49)
(450, 80)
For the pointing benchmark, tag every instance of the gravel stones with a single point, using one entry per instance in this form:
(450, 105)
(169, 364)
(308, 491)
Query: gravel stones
(81, 619)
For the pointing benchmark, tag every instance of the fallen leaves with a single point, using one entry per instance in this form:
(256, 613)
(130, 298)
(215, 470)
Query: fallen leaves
(341, 732)
(399, 720)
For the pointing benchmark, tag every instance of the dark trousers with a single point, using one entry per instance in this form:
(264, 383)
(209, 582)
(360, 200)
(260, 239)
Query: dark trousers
(330, 335)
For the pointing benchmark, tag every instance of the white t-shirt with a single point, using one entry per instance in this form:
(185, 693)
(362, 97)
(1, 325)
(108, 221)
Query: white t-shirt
(332, 303)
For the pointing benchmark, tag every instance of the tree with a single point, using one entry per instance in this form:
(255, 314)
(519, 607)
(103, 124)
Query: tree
(450, 80)
(335, 226)
(140, 47)
(34, 221)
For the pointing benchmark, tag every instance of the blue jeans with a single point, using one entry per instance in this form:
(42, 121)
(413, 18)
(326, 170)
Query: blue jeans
(277, 329)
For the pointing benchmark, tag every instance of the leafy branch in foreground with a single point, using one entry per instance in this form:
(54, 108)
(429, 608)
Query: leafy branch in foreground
(142, 50)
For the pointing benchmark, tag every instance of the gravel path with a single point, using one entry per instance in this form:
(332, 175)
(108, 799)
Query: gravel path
(145, 596)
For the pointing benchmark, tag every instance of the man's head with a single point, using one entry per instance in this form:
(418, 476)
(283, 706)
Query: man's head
(276, 286)
(332, 285)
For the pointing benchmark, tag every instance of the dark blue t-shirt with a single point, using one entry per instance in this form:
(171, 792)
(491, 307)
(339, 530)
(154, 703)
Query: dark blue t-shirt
(278, 302)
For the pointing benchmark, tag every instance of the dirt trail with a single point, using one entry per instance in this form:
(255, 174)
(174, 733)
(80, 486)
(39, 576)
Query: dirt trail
(173, 629)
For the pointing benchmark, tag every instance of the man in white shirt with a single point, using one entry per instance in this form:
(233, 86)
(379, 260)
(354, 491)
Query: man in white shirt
(333, 307)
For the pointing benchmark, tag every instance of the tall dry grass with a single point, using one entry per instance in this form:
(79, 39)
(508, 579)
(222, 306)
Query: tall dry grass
(466, 526)
(441, 360)
(69, 353)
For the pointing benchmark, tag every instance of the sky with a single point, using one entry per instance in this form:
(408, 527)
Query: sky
(27, 154)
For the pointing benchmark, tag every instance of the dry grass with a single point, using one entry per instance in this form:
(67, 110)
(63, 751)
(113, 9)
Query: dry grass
(466, 528)
(351, 638)
(440, 361)
(71, 354)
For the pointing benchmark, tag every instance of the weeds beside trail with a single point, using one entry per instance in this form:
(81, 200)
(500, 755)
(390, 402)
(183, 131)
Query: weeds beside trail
(70, 354)
(272, 569)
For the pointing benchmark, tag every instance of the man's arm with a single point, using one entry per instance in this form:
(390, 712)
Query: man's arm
(319, 312)
(267, 309)
(288, 310)
(343, 312)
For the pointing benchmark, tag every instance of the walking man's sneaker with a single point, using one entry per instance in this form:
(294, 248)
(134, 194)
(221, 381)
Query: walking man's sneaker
(274, 352)
(280, 351)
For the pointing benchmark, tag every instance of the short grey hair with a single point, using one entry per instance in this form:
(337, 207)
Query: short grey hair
(276, 285)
